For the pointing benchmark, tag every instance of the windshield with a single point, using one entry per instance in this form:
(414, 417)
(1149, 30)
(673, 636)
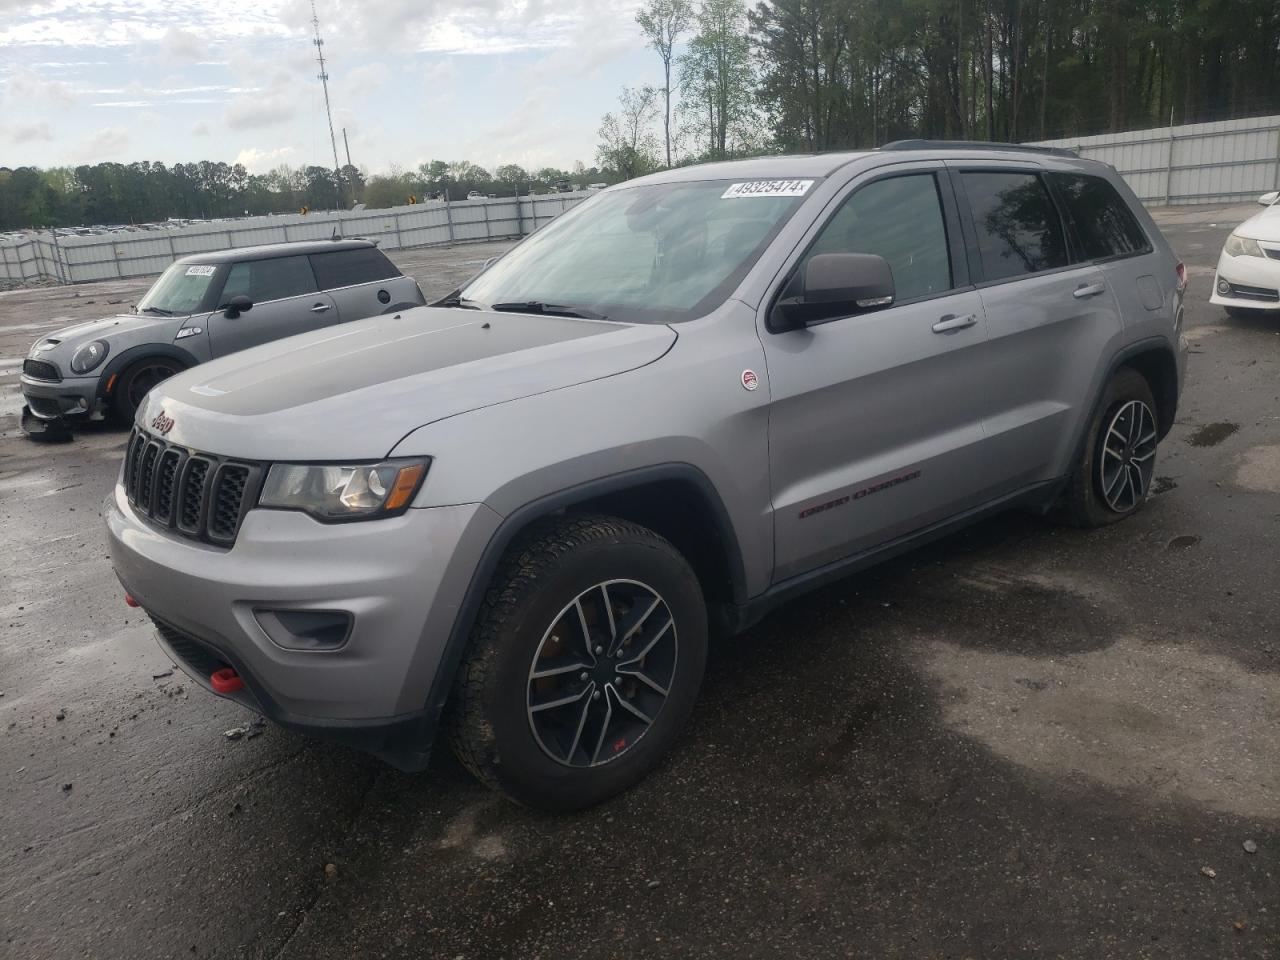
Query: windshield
(656, 253)
(180, 290)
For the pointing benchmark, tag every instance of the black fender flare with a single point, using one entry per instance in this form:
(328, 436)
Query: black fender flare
(519, 519)
(121, 361)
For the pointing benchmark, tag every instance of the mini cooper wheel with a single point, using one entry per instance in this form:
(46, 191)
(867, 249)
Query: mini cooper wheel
(584, 664)
(136, 382)
(1114, 476)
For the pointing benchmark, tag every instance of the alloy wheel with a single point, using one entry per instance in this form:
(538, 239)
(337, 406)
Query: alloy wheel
(601, 673)
(1128, 456)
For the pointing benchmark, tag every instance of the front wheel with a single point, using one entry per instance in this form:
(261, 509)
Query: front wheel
(584, 664)
(137, 380)
(1114, 474)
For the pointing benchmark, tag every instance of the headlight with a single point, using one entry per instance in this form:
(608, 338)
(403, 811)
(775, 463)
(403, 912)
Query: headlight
(1235, 247)
(344, 492)
(89, 356)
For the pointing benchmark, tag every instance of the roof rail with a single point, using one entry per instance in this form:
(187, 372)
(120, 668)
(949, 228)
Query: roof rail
(976, 145)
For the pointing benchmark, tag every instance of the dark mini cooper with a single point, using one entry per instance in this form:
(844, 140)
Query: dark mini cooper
(204, 306)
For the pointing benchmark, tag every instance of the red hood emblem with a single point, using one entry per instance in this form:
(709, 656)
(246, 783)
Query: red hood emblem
(162, 424)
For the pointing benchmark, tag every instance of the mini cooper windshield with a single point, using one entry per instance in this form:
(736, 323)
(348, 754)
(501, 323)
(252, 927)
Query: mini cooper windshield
(656, 253)
(180, 290)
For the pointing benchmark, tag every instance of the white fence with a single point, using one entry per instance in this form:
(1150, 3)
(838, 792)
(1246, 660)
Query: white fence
(120, 256)
(1196, 163)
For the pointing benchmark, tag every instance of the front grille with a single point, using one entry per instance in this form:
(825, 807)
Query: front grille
(44, 406)
(1264, 294)
(40, 370)
(198, 495)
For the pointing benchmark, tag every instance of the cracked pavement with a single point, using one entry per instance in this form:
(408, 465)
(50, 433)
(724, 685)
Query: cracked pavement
(1023, 740)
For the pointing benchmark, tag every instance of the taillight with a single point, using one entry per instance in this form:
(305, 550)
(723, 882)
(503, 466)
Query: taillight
(1182, 277)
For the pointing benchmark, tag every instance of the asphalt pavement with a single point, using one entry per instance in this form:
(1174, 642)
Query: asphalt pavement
(1022, 741)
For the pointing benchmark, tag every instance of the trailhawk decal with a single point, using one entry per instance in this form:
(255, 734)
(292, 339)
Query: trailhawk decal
(767, 188)
(865, 492)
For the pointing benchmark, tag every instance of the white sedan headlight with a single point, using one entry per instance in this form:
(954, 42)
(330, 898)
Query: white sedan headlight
(1242, 247)
(334, 492)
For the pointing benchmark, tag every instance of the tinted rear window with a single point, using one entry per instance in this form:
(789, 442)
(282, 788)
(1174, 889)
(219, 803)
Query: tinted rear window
(1019, 231)
(263, 280)
(345, 268)
(1104, 223)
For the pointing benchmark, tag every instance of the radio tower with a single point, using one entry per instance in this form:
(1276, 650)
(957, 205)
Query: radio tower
(324, 82)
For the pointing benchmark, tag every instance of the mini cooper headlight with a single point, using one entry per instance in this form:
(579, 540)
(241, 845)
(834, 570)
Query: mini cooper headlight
(89, 356)
(333, 492)
(1242, 247)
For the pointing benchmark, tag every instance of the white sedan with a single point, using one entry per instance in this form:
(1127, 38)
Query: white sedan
(1248, 277)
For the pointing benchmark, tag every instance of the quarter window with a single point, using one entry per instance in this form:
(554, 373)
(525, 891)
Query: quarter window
(1019, 231)
(1103, 222)
(901, 220)
(346, 268)
(263, 280)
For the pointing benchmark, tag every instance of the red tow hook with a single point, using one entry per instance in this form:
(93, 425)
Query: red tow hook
(128, 599)
(225, 680)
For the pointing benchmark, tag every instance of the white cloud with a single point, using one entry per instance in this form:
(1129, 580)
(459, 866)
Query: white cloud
(182, 46)
(260, 161)
(251, 112)
(26, 133)
(103, 144)
(201, 129)
(28, 87)
(363, 80)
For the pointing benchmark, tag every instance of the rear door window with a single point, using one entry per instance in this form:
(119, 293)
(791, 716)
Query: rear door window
(346, 268)
(1019, 230)
(1103, 222)
(263, 280)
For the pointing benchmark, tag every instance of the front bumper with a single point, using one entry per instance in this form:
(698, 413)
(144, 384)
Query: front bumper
(69, 398)
(402, 579)
(1258, 276)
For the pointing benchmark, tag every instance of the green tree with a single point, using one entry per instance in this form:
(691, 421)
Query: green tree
(663, 22)
(716, 72)
(627, 143)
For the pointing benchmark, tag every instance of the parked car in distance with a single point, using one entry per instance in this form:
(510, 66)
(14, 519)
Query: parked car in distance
(204, 306)
(1247, 281)
(690, 398)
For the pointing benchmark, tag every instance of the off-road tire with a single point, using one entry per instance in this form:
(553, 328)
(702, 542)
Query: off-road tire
(488, 724)
(1083, 503)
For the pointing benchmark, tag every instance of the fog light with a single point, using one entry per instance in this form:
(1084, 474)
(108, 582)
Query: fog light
(1224, 288)
(307, 630)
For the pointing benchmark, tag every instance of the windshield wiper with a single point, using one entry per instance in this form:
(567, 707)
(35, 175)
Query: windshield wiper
(160, 310)
(458, 303)
(549, 309)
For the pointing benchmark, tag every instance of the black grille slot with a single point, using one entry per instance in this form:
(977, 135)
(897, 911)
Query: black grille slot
(228, 498)
(189, 520)
(194, 655)
(1273, 254)
(40, 370)
(147, 475)
(198, 495)
(167, 484)
(44, 406)
(1255, 293)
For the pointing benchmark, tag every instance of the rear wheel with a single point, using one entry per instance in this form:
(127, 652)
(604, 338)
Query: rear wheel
(584, 664)
(137, 381)
(1114, 474)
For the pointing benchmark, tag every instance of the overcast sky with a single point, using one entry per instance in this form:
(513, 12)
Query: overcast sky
(492, 81)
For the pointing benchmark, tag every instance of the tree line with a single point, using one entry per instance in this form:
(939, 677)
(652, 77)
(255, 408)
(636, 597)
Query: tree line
(145, 192)
(812, 75)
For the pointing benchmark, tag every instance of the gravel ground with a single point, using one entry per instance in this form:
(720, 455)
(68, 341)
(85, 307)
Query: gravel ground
(1020, 741)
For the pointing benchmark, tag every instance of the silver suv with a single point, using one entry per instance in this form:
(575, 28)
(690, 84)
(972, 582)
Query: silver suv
(520, 512)
(198, 309)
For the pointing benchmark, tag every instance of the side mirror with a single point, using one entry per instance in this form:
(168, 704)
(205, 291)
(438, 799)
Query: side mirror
(237, 305)
(833, 285)
(1268, 199)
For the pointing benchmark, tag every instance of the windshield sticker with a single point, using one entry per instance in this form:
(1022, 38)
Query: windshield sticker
(767, 188)
(200, 271)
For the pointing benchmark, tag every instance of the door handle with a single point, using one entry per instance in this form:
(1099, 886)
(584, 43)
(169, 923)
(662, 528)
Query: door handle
(1088, 290)
(952, 322)
(320, 308)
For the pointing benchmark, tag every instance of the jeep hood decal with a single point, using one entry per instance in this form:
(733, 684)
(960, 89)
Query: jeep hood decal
(352, 391)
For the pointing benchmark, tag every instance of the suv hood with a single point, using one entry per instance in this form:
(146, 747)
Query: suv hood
(351, 392)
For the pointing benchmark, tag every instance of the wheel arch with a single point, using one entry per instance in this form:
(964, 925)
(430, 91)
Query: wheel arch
(1158, 367)
(142, 351)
